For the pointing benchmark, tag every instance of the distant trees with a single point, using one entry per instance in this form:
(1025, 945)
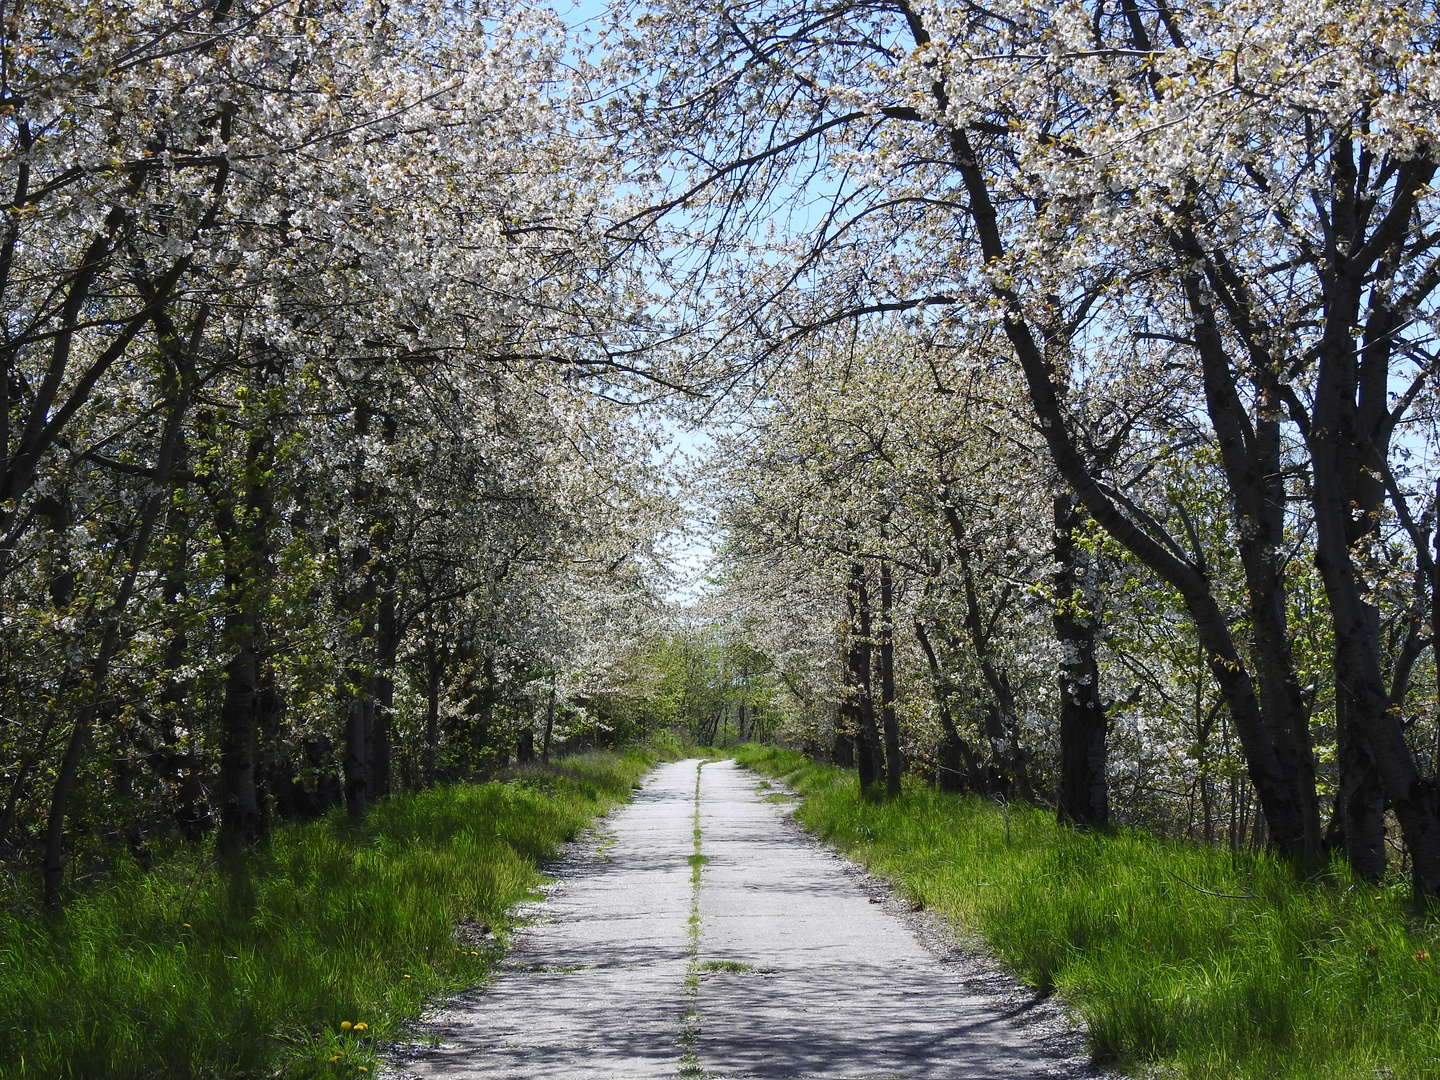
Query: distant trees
(700, 679)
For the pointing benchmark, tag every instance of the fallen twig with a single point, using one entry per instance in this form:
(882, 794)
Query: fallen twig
(1211, 892)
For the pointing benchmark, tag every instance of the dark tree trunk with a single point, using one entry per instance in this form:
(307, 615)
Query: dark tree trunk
(869, 754)
(1350, 419)
(357, 744)
(382, 687)
(549, 724)
(434, 670)
(360, 721)
(1359, 819)
(894, 760)
(1084, 795)
(241, 822)
(1250, 454)
(959, 769)
(244, 526)
(525, 747)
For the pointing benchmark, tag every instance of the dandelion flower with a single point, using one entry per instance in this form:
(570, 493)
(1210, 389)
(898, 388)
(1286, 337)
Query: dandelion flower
(345, 1025)
(186, 925)
(361, 1026)
(404, 976)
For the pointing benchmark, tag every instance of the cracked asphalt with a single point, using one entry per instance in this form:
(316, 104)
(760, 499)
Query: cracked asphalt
(775, 958)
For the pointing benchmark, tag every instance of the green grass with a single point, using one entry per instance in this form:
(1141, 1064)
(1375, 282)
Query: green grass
(728, 967)
(1286, 977)
(199, 970)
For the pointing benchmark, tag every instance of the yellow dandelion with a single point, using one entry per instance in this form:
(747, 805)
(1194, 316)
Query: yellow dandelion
(404, 976)
(335, 1059)
(345, 1025)
(361, 1027)
(186, 925)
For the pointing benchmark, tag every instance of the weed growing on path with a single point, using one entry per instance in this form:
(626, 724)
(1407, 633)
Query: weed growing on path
(1182, 960)
(305, 957)
(690, 1033)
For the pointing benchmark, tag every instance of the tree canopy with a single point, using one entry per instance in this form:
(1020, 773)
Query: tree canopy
(1071, 368)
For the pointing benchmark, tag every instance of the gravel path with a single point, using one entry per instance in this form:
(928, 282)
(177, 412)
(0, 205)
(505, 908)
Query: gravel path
(743, 950)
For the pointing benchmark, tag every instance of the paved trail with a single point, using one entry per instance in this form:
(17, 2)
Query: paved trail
(770, 961)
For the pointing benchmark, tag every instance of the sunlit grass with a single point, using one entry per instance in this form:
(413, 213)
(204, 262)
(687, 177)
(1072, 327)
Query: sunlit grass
(301, 959)
(1279, 977)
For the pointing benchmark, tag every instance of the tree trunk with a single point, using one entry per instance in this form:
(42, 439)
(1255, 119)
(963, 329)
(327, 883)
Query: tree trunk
(434, 669)
(869, 754)
(894, 760)
(549, 723)
(356, 759)
(1359, 818)
(244, 527)
(959, 770)
(382, 686)
(1084, 795)
(241, 824)
(1250, 454)
(1357, 667)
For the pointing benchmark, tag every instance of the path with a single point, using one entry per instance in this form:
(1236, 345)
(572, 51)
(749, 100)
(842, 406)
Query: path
(761, 958)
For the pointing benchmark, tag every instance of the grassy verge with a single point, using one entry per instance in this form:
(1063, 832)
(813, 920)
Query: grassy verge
(1183, 961)
(305, 958)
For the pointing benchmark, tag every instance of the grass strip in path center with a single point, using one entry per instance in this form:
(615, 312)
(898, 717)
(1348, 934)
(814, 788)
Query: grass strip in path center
(690, 1031)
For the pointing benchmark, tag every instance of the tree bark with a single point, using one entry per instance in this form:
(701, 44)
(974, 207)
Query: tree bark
(959, 769)
(382, 685)
(434, 670)
(869, 754)
(1084, 794)
(245, 536)
(1360, 801)
(890, 727)
(549, 723)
